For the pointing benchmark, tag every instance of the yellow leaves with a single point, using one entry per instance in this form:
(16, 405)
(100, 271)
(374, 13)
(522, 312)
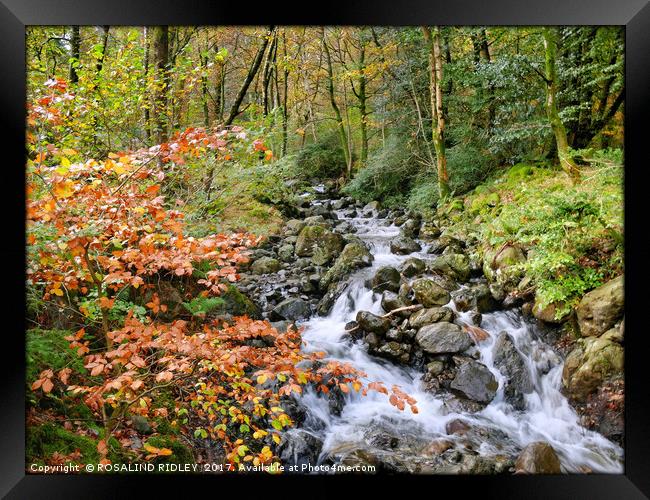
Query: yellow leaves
(356, 385)
(63, 189)
(156, 452)
(259, 434)
(261, 379)
(40, 157)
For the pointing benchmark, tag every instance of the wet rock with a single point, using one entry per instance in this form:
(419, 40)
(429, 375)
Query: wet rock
(315, 220)
(411, 228)
(435, 368)
(475, 381)
(293, 226)
(391, 301)
(386, 278)
(429, 231)
(500, 265)
(340, 203)
(439, 245)
(453, 265)
(345, 227)
(299, 447)
(538, 458)
(373, 205)
(512, 365)
(412, 267)
(437, 447)
(354, 256)
(372, 339)
(549, 313)
(394, 335)
(265, 265)
(591, 361)
(429, 293)
(455, 404)
(601, 308)
(369, 322)
(430, 315)
(285, 253)
(442, 337)
(292, 309)
(395, 351)
(318, 242)
(404, 245)
(457, 426)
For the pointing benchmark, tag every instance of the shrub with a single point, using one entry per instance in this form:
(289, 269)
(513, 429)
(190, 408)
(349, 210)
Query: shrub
(387, 176)
(323, 159)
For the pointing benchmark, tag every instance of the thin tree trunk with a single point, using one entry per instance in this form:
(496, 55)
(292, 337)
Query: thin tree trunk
(438, 120)
(337, 112)
(161, 59)
(100, 62)
(75, 52)
(147, 112)
(363, 105)
(285, 88)
(234, 111)
(566, 162)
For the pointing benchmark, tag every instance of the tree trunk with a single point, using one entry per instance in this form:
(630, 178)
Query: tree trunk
(267, 72)
(161, 65)
(75, 52)
(363, 105)
(566, 162)
(147, 111)
(437, 116)
(337, 112)
(234, 111)
(285, 88)
(204, 90)
(100, 61)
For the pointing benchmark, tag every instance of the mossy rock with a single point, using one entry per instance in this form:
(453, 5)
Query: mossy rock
(238, 304)
(485, 203)
(43, 441)
(520, 171)
(180, 452)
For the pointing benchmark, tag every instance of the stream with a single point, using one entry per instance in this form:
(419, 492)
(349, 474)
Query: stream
(369, 426)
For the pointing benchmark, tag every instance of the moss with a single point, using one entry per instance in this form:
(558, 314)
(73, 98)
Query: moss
(44, 440)
(180, 452)
(520, 171)
(237, 304)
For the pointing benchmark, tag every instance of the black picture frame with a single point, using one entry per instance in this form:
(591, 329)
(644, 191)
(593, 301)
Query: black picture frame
(15, 15)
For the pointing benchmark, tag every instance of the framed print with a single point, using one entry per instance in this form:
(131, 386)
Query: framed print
(381, 245)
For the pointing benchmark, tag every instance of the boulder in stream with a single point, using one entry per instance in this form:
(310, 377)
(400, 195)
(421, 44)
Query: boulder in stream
(475, 381)
(538, 458)
(403, 245)
(292, 309)
(429, 293)
(601, 308)
(386, 278)
(442, 337)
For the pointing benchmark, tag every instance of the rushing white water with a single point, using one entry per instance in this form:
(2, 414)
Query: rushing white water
(547, 415)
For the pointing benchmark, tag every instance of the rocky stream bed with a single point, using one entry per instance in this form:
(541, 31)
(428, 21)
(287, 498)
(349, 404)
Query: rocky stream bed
(409, 305)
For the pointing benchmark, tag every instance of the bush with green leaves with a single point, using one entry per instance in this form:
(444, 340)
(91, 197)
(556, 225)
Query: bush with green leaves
(573, 234)
(323, 159)
(387, 175)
